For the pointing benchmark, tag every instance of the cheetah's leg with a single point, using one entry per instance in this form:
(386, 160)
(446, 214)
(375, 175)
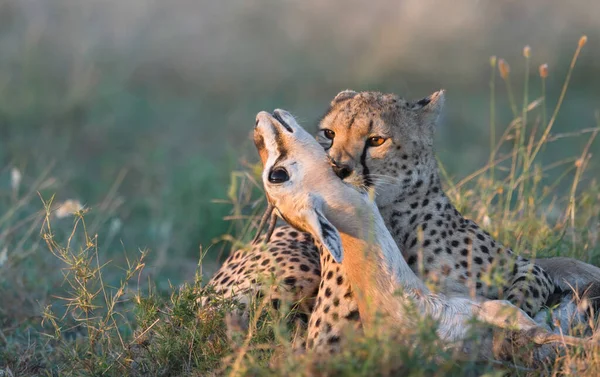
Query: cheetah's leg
(530, 286)
(284, 269)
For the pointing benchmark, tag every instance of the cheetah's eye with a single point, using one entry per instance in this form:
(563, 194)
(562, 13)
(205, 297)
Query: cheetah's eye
(375, 141)
(329, 134)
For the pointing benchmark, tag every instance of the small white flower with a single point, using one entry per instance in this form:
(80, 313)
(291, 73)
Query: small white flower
(3, 256)
(115, 226)
(15, 179)
(487, 222)
(68, 208)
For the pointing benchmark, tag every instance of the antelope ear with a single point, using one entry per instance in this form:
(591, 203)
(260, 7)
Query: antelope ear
(343, 95)
(431, 106)
(326, 234)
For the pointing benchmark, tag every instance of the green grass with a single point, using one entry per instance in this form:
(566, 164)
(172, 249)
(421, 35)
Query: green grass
(76, 299)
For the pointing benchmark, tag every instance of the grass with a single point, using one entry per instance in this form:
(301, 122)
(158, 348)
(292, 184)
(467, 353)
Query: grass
(61, 316)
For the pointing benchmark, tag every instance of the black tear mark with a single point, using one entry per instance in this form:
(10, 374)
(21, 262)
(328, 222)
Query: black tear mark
(283, 123)
(363, 162)
(363, 159)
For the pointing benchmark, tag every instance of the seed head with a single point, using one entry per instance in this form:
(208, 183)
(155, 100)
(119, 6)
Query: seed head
(3, 256)
(527, 51)
(15, 179)
(68, 208)
(544, 70)
(504, 68)
(582, 41)
(487, 222)
(493, 61)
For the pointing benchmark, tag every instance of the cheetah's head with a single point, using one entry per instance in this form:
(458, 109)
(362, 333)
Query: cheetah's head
(382, 141)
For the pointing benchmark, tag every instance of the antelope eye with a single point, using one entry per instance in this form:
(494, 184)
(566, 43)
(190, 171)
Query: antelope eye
(278, 175)
(329, 134)
(375, 141)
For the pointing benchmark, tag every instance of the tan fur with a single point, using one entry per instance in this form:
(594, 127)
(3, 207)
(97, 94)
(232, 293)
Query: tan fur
(370, 256)
(284, 270)
(409, 127)
(454, 251)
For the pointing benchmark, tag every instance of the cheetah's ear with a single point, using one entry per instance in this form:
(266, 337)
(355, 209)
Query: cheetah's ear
(431, 106)
(344, 95)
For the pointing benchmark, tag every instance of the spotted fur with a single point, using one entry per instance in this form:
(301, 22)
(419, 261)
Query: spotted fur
(300, 184)
(336, 310)
(287, 268)
(436, 240)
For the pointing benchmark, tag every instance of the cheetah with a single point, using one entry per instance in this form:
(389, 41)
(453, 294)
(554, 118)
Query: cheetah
(347, 225)
(383, 142)
(287, 268)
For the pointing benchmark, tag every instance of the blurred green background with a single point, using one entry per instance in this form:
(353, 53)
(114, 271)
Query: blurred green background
(140, 109)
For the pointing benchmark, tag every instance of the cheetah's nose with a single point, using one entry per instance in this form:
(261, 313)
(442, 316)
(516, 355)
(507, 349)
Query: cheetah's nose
(342, 171)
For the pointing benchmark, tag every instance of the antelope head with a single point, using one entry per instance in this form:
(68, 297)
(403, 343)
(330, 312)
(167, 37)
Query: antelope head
(299, 182)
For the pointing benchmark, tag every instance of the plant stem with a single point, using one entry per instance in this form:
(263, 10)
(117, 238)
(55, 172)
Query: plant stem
(492, 117)
(558, 105)
(523, 186)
